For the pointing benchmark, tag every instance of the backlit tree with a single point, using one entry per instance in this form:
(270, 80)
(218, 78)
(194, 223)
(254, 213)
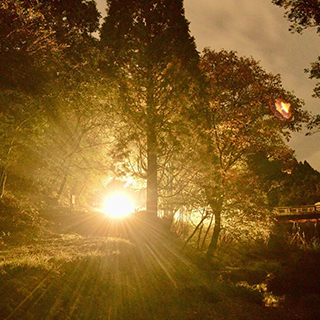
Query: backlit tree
(237, 123)
(45, 48)
(154, 63)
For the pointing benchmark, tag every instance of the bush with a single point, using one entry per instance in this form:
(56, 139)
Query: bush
(299, 272)
(18, 220)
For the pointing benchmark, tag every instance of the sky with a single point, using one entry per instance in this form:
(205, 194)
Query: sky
(258, 29)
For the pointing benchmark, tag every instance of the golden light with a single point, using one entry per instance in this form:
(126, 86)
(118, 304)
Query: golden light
(282, 109)
(118, 205)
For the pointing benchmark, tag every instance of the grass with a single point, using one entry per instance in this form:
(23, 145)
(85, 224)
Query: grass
(88, 267)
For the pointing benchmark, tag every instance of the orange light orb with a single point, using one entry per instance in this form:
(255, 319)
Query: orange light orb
(281, 109)
(118, 206)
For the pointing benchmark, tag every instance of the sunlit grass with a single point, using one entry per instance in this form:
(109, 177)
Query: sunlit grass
(72, 276)
(49, 253)
(141, 274)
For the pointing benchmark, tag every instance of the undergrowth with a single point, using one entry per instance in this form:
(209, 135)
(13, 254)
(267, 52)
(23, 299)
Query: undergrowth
(64, 274)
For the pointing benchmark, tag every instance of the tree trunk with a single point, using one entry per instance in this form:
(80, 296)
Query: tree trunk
(199, 237)
(215, 236)
(152, 182)
(3, 179)
(62, 185)
(195, 230)
(152, 154)
(207, 232)
(215, 201)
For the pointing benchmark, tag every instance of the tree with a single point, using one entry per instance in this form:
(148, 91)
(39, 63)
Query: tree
(237, 123)
(26, 40)
(76, 141)
(45, 49)
(314, 125)
(273, 174)
(304, 14)
(153, 60)
(301, 187)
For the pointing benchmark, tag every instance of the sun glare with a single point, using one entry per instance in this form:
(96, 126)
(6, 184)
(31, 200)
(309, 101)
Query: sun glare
(282, 109)
(118, 206)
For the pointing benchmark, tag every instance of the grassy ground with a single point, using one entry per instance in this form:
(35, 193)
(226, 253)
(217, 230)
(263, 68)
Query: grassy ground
(90, 267)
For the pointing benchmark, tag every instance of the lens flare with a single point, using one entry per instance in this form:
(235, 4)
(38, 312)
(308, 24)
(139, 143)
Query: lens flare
(118, 206)
(281, 109)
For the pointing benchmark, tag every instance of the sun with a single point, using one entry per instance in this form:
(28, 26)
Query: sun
(118, 205)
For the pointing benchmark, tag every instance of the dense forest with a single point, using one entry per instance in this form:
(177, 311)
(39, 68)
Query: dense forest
(129, 103)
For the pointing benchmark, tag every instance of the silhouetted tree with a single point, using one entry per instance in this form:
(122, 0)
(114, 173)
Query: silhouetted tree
(273, 173)
(302, 186)
(45, 50)
(153, 61)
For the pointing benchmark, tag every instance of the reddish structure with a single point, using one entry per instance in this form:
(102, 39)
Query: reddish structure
(308, 213)
(302, 220)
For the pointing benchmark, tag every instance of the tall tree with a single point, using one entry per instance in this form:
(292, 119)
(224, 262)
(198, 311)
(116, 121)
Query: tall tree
(238, 122)
(26, 43)
(44, 53)
(153, 59)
